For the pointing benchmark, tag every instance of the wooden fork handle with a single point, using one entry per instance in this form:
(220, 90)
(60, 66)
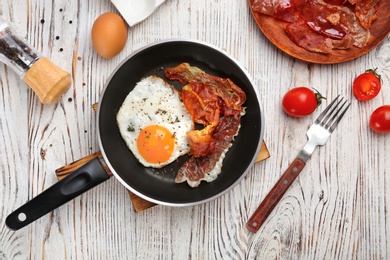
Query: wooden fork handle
(274, 196)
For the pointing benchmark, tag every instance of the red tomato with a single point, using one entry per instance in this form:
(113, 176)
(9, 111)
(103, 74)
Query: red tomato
(367, 85)
(301, 101)
(380, 119)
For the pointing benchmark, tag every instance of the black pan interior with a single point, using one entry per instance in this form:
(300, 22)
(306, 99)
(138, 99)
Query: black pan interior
(158, 185)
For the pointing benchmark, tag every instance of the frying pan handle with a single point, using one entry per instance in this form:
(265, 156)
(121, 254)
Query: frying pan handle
(83, 179)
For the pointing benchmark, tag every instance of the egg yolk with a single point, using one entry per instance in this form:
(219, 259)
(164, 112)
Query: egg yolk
(155, 144)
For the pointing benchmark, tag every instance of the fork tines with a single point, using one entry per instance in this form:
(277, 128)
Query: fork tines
(333, 113)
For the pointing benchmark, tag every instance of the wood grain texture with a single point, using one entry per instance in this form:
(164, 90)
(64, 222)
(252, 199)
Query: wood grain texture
(275, 195)
(336, 209)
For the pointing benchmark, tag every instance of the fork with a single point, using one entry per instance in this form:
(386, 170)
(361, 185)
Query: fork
(318, 134)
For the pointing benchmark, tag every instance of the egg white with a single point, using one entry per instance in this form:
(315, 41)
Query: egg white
(153, 101)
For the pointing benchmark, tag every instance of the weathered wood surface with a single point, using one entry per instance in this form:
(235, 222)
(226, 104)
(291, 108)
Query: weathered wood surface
(338, 208)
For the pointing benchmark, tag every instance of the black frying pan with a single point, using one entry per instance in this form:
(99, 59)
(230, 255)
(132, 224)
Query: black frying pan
(155, 185)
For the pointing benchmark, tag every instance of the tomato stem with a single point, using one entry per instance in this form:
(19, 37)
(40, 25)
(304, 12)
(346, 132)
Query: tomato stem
(319, 97)
(373, 71)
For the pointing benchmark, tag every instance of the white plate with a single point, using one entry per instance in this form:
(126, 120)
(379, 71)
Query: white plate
(135, 11)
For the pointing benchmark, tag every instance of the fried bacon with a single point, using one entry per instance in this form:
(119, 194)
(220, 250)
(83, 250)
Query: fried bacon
(207, 98)
(264, 6)
(349, 20)
(366, 12)
(201, 141)
(301, 34)
(337, 23)
(232, 96)
(202, 104)
(345, 23)
(208, 167)
(281, 9)
(323, 19)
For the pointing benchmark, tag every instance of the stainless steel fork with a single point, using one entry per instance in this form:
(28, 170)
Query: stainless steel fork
(318, 134)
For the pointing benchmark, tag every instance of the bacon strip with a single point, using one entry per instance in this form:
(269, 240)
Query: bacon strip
(360, 34)
(263, 6)
(323, 19)
(207, 97)
(301, 34)
(345, 23)
(281, 9)
(202, 104)
(366, 12)
(205, 168)
(233, 96)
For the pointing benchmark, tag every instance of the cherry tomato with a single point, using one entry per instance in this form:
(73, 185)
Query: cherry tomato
(301, 101)
(380, 119)
(367, 85)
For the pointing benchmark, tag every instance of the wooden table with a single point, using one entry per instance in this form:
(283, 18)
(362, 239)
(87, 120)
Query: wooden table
(338, 208)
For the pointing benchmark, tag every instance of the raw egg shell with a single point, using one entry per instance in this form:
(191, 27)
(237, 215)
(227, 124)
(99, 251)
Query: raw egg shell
(109, 34)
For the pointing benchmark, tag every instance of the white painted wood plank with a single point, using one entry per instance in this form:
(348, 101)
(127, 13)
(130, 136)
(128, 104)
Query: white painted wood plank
(337, 208)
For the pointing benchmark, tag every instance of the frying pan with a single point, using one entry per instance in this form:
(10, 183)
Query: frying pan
(155, 185)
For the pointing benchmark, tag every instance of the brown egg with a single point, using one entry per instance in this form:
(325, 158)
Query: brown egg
(109, 34)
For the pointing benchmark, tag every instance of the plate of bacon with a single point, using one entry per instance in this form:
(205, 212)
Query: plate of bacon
(323, 31)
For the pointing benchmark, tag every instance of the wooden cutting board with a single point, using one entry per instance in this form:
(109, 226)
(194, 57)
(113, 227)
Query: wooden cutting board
(138, 203)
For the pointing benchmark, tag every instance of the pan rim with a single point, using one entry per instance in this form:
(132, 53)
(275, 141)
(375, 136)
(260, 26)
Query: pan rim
(245, 172)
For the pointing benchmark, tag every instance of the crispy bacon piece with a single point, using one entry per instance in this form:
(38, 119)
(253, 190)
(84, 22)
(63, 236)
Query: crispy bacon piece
(263, 6)
(345, 22)
(230, 95)
(206, 97)
(202, 104)
(233, 96)
(202, 141)
(184, 73)
(301, 34)
(332, 28)
(281, 9)
(343, 44)
(355, 29)
(323, 19)
(366, 11)
(285, 11)
(208, 167)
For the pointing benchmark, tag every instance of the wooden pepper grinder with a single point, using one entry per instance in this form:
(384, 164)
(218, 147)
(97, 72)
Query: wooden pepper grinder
(47, 80)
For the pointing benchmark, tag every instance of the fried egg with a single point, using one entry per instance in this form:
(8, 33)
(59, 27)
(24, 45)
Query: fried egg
(153, 122)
